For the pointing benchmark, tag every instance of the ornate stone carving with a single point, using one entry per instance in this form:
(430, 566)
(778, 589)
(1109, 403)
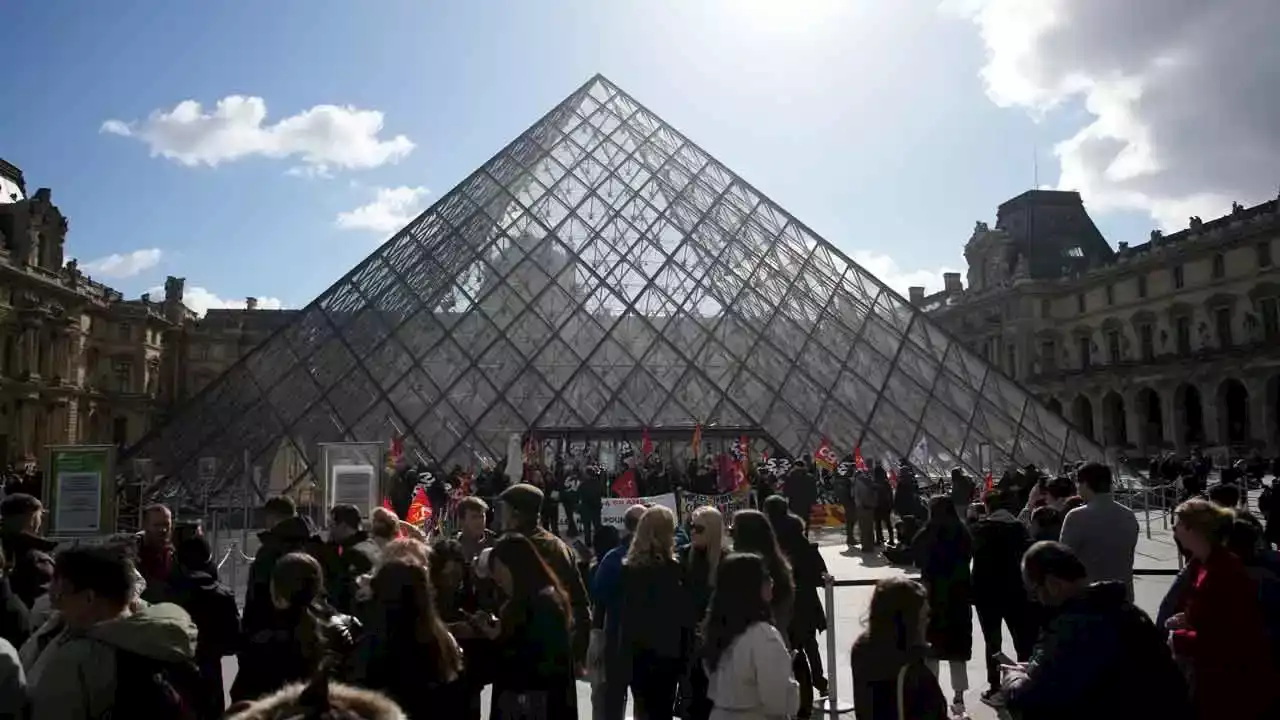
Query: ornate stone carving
(980, 227)
(1236, 208)
(1195, 223)
(1156, 236)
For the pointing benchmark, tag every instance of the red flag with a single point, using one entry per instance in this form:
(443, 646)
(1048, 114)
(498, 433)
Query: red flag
(824, 457)
(893, 478)
(420, 510)
(386, 503)
(990, 483)
(858, 462)
(646, 445)
(624, 486)
(696, 442)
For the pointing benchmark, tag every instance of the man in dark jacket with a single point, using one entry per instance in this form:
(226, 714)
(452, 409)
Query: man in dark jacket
(155, 551)
(802, 491)
(1100, 657)
(212, 606)
(349, 554)
(29, 556)
(521, 509)
(286, 532)
(999, 542)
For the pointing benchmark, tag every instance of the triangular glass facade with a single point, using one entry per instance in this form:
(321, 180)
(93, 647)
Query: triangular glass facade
(602, 271)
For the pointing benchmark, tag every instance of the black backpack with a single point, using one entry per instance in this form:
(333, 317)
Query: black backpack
(151, 688)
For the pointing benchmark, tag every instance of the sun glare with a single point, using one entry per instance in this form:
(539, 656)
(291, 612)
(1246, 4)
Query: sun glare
(784, 15)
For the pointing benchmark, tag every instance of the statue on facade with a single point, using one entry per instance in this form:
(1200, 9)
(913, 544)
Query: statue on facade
(1195, 223)
(173, 288)
(1156, 236)
(979, 227)
(1236, 208)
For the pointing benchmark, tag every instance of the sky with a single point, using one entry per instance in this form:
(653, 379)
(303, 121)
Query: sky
(263, 149)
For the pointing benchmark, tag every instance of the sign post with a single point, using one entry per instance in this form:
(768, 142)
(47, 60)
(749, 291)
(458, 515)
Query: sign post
(81, 488)
(352, 475)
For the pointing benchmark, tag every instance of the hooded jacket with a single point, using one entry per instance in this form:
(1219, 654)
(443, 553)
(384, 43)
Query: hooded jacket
(1100, 658)
(294, 534)
(999, 542)
(76, 675)
(564, 565)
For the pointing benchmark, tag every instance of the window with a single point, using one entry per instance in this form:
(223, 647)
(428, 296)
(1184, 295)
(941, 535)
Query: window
(1142, 286)
(1219, 266)
(1264, 254)
(1111, 295)
(1222, 318)
(1178, 279)
(1113, 346)
(124, 332)
(1085, 361)
(1011, 360)
(1182, 331)
(1046, 308)
(1146, 339)
(1075, 252)
(1048, 356)
(1080, 304)
(123, 370)
(1270, 318)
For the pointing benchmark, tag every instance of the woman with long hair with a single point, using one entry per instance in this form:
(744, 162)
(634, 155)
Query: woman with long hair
(535, 675)
(743, 653)
(888, 658)
(655, 623)
(408, 654)
(1219, 632)
(306, 636)
(752, 533)
(943, 550)
(701, 560)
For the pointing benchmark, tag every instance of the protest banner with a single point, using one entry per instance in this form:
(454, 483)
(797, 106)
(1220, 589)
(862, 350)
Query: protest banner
(612, 509)
(826, 515)
(727, 504)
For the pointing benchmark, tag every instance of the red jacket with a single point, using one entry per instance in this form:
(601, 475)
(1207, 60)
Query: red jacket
(1225, 641)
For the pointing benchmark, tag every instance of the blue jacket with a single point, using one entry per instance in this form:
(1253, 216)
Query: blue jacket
(604, 586)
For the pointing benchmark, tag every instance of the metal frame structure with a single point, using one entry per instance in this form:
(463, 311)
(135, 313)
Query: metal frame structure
(604, 272)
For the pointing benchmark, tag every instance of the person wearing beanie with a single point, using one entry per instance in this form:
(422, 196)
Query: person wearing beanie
(521, 510)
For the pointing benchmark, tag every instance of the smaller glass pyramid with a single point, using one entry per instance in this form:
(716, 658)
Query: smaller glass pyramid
(603, 274)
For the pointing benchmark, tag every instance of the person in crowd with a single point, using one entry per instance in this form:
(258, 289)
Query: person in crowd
(13, 683)
(320, 699)
(535, 675)
(807, 617)
(802, 490)
(155, 551)
(286, 532)
(407, 652)
(407, 549)
(350, 554)
(1073, 502)
(743, 653)
(752, 533)
(962, 489)
(384, 527)
(606, 597)
(999, 542)
(194, 586)
(466, 602)
(1263, 565)
(944, 550)
(306, 634)
(1225, 494)
(866, 498)
(885, 504)
(30, 565)
(108, 660)
(570, 481)
(654, 632)
(1046, 523)
(891, 678)
(591, 492)
(842, 491)
(1100, 657)
(15, 617)
(1052, 493)
(605, 539)
(1219, 631)
(474, 533)
(1103, 533)
(701, 559)
(522, 508)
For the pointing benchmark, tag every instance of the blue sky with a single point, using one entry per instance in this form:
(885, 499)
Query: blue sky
(871, 121)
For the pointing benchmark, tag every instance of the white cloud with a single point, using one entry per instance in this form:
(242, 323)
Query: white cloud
(390, 210)
(117, 267)
(201, 300)
(1180, 94)
(321, 138)
(890, 273)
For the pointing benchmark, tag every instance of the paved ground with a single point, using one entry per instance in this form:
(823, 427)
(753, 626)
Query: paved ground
(1156, 551)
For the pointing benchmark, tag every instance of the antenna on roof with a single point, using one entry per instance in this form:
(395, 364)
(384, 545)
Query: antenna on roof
(1035, 167)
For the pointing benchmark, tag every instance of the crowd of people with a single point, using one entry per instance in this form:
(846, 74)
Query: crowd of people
(374, 619)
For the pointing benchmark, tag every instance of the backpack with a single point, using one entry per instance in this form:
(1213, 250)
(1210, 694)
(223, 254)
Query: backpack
(151, 688)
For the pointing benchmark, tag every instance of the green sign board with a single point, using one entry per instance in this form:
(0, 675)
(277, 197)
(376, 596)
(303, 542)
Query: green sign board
(80, 487)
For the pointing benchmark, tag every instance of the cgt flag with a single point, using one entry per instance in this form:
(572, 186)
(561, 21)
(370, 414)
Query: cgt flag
(646, 445)
(824, 457)
(624, 486)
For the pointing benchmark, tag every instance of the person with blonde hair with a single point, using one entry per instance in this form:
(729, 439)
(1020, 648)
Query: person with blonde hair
(654, 633)
(701, 560)
(1220, 631)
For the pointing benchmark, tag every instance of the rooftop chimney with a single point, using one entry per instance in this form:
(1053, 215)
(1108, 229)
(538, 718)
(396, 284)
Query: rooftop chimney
(251, 303)
(915, 295)
(951, 282)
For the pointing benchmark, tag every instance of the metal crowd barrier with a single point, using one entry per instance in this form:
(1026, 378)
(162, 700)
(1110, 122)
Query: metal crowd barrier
(832, 706)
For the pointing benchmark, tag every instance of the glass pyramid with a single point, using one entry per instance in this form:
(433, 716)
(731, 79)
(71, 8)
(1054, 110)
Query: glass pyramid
(603, 274)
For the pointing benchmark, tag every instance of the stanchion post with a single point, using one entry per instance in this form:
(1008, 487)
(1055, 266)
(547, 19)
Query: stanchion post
(1146, 507)
(832, 707)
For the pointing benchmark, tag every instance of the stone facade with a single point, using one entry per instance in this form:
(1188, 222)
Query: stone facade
(1167, 345)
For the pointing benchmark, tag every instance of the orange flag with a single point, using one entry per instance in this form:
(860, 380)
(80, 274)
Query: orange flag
(420, 509)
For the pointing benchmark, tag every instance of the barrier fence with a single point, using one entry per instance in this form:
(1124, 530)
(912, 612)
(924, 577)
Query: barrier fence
(832, 706)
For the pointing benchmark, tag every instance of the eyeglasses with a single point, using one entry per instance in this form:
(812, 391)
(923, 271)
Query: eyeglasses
(698, 529)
